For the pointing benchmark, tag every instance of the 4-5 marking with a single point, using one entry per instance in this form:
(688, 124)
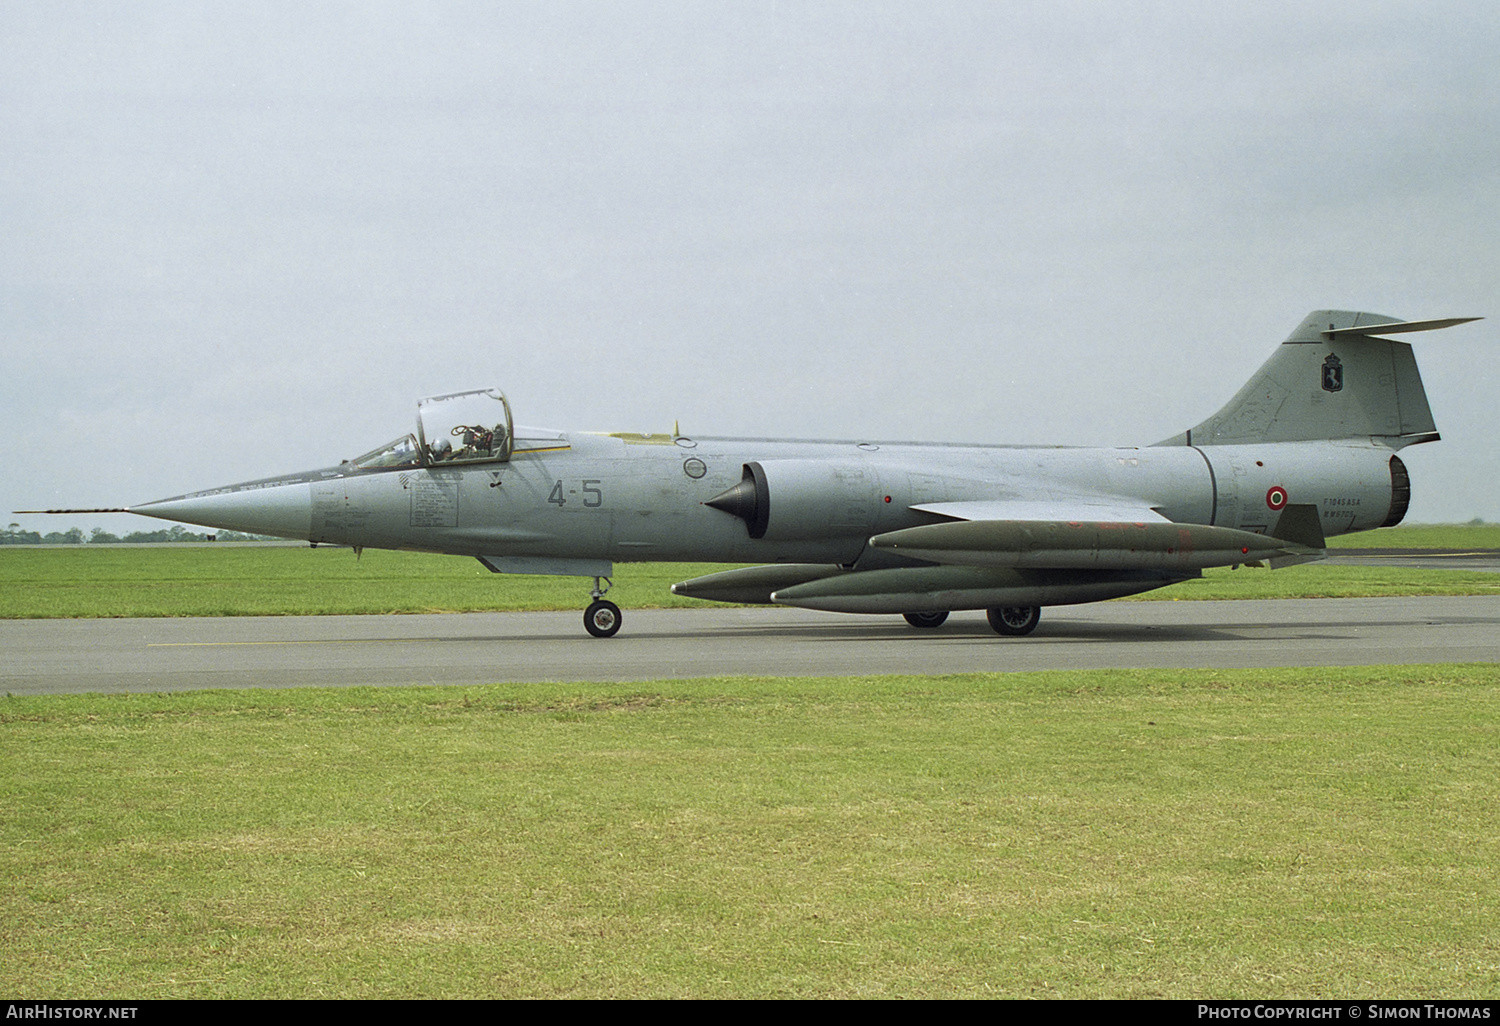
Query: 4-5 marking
(593, 496)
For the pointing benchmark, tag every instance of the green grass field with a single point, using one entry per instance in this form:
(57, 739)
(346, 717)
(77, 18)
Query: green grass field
(240, 580)
(1423, 536)
(1165, 833)
(1293, 833)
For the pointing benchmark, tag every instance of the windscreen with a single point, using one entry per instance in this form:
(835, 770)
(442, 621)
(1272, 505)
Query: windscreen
(403, 452)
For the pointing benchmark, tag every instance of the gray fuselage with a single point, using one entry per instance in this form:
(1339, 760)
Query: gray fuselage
(630, 498)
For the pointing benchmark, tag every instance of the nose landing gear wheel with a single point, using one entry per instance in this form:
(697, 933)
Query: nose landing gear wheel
(1014, 621)
(602, 619)
(926, 621)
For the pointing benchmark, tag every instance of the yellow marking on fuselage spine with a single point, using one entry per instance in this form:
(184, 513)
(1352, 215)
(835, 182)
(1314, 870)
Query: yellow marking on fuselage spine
(639, 438)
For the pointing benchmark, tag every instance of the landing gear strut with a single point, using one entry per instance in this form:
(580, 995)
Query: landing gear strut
(602, 619)
(1014, 621)
(927, 621)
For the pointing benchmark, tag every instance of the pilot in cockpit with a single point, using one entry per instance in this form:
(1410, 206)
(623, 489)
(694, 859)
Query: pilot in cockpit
(476, 439)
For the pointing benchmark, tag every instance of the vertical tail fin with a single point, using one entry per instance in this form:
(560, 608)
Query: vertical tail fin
(1333, 378)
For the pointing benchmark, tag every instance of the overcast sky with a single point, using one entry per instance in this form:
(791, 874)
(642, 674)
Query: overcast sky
(243, 239)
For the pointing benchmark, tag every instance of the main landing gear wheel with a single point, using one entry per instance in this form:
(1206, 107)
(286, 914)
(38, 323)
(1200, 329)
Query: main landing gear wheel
(602, 619)
(926, 621)
(1014, 621)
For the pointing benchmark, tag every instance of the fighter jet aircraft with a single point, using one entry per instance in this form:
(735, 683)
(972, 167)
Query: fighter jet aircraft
(1305, 450)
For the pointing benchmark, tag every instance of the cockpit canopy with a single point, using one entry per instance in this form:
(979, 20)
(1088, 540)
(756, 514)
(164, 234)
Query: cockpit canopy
(462, 427)
(465, 427)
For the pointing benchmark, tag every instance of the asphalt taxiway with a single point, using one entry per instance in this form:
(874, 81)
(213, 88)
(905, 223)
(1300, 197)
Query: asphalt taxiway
(1474, 560)
(120, 655)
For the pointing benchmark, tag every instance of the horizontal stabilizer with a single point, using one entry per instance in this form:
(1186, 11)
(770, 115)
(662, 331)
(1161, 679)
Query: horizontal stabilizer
(1398, 327)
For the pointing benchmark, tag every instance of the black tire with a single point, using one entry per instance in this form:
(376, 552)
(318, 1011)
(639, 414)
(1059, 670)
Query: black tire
(1014, 621)
(602, 619)
(926, 621)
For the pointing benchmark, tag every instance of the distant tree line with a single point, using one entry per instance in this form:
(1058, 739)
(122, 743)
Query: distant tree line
(13, 535)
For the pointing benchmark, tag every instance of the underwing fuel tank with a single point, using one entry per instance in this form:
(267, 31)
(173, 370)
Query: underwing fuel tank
(754, 584)
(1045, 544)
(967, 587)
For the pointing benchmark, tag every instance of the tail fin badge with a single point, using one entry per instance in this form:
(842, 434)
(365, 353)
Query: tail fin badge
(1333, 374)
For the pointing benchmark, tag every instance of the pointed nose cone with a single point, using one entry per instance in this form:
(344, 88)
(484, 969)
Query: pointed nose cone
(283, 510)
